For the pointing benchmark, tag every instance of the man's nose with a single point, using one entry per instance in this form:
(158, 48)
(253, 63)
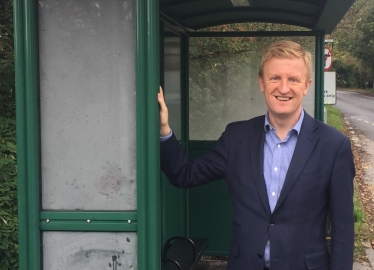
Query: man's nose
(284, 87)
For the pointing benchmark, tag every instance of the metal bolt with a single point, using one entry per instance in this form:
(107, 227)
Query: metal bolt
(129, 221)
(88, 221)
(47, 220)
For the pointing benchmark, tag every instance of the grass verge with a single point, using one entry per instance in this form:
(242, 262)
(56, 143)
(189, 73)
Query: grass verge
(335, 119)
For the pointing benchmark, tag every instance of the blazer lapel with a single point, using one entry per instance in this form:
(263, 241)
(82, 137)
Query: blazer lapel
(256, 148)
(304, 147)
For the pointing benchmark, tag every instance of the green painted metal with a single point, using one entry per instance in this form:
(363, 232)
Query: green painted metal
(19, 58)
(319, 77)
(147, 130)
(256, 34)
(26, 66)
(184, 87)
(185, 79)
(32, 125)
(98, 216)
(210, 209)
(88, 221)
(318, 15)
(88, 225)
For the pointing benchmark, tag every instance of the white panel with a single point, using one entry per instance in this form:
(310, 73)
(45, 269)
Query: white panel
(87, 103)
(89, 250)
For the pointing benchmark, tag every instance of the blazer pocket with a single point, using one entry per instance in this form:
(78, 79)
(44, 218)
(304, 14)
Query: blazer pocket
(317, 260)
(234, 248)
(311, 176)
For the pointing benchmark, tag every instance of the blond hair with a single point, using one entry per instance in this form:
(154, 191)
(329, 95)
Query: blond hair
(287, 50)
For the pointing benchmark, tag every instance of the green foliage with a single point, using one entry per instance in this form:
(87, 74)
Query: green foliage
(7, 94)
(353, 46)
(8, 195)
(8, 164)
(334, 118)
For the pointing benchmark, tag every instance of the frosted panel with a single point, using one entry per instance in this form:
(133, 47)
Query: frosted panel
(172, 73)
(87, 104)
(223, 84)
(87, 251)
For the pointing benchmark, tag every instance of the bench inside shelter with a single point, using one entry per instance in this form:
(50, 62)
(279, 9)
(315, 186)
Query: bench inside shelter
(182, 253)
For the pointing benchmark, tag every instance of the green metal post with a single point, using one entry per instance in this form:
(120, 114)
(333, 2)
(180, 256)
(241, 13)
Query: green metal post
(32, 125)
(27, 133)
(147, 128)
(185, 60)
(320, 75)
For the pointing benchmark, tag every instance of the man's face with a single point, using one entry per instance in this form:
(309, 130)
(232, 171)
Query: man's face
(284, 84)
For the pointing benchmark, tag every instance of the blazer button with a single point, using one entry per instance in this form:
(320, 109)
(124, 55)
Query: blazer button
(260, 255)
(272, 222)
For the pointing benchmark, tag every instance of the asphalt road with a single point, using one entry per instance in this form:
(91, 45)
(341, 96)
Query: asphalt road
(359, 108)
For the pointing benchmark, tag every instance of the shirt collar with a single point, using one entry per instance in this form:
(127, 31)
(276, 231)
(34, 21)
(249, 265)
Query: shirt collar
(296, 127)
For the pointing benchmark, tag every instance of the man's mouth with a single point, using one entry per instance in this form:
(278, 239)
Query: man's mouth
(283, 98)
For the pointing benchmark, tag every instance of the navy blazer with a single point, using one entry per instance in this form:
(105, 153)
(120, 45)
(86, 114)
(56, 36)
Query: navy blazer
(319, 181)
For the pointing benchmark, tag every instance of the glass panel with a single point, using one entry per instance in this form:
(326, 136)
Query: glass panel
(89, 250)
(87, 103)
(223, 82)
(172, 69)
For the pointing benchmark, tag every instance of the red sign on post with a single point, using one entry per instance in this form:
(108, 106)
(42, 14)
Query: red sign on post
(328, 58)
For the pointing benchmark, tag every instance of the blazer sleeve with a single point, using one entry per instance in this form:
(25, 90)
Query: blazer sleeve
(184, 173)
(341, 209)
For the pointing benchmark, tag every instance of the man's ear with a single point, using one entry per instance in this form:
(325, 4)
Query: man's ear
(261, 83)
(307, 84)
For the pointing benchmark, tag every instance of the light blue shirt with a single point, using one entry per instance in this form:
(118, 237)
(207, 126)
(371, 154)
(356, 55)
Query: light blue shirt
(277, 157)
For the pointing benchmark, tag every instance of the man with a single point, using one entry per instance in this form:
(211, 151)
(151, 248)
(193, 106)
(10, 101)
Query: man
(285, 172)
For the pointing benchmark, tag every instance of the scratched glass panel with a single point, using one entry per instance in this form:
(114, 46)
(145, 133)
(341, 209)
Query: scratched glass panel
(223, 85)
(172, 69)
(87, 104)
(89, 250)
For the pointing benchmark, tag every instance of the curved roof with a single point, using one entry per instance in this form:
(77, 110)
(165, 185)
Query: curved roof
(313, 14)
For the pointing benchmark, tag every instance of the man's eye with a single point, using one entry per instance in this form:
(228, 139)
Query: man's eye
(274, 78)
(293, 80)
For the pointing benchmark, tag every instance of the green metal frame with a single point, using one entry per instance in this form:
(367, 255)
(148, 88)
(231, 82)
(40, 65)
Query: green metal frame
(320, 77)
(147, 130)
(147, 220)
(31, 219)
(256, 34)
(88, 221)
(26, 66)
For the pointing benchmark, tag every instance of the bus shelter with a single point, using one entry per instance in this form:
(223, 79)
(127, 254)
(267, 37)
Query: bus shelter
(91, 194)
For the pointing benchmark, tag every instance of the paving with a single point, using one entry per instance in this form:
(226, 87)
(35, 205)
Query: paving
(367, 145)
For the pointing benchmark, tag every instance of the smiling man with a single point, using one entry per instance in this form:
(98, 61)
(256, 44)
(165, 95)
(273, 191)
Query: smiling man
(285, 172)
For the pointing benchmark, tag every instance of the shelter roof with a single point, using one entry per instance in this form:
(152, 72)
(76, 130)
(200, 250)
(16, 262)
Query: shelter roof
(313, 14)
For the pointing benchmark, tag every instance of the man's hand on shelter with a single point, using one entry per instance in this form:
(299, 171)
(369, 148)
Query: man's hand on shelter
(164, 115)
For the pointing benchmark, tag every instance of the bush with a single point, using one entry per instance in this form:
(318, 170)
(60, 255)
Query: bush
(8, 164)
(8, 195)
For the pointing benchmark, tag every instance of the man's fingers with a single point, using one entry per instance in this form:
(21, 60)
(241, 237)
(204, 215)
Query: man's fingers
(161, 100)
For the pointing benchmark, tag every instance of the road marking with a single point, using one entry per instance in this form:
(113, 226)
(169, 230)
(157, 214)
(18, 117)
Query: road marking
(367, 122)
(359, 119)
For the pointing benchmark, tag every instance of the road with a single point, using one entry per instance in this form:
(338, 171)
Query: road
(359, 108)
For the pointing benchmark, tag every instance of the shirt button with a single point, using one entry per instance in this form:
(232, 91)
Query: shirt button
(273, 193)
(260, 255)
(268, 243)
(279, 145)
(276, 169)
